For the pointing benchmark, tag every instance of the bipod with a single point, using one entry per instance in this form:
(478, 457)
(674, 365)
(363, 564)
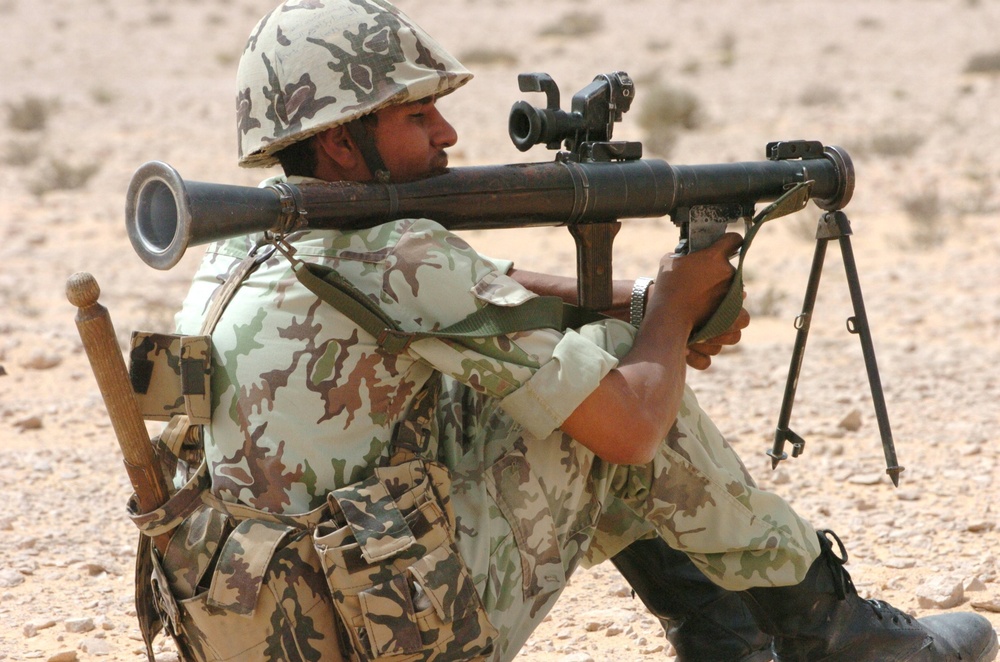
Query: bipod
(833, 225)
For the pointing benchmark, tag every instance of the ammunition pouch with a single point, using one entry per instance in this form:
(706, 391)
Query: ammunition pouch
(372, 575)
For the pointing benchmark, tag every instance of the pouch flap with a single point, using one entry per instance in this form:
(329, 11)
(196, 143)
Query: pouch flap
(242, 564)
(390, 619)
(170, 375)
(372, 513)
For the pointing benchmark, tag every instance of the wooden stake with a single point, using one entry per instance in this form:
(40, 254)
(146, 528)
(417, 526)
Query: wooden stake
(101, 344)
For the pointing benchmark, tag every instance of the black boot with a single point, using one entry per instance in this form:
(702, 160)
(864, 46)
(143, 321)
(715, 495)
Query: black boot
(824, 619)
(703, 621)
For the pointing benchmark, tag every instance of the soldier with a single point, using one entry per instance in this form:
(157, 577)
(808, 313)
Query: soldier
(565, 446)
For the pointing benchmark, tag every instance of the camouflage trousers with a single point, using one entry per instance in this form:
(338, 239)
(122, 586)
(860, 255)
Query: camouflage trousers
(530, 511)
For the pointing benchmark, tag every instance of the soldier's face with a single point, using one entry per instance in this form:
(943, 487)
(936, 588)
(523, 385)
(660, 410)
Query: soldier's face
(412, 139)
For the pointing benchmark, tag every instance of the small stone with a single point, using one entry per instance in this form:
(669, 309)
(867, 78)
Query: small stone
(900, 563)
(32, 628)
(29, 423)
(41, 360)
(10, 578)
(991, 605)
(64, 656)
(981, 526)
(851, 422)
(79, 624)
(576, 657)
(865, 479)
(940, 593)
(94, 646)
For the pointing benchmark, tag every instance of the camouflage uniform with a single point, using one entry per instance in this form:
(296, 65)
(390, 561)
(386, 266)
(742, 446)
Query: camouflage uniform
(304, 402)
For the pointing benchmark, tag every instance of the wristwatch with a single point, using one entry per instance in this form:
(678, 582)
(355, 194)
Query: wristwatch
(637, 306)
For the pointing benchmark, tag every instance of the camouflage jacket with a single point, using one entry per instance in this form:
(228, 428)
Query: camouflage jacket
(304, 401)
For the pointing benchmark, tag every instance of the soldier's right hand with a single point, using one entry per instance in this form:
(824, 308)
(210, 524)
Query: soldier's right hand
(691, 287)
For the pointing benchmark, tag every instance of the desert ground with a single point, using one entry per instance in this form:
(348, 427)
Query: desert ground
(909, 88)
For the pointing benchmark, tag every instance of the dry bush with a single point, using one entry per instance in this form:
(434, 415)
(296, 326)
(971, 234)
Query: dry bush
(20, 154)
(925, 211)
(574, 24)
(29, 114)
(666, 112)
(103, 96)
(819, 95)
(727, 49)
(61, 176)
(896, 144)
(984, 63)
(488, 56)
(766, 303)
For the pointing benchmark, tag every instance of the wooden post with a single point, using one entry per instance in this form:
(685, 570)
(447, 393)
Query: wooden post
(101, 344)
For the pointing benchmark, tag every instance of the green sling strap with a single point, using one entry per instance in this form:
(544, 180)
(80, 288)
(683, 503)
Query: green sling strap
(535, 313)
(542, 312)
(793, 200)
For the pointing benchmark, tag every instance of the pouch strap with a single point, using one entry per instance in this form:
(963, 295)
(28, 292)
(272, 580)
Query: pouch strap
(224, 294)
(243, 562)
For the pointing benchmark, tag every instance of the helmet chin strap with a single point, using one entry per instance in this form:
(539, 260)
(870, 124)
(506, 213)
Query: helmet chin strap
(365, 141)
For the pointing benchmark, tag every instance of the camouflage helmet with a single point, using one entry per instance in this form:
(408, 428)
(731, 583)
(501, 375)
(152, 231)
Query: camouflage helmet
(310, 65)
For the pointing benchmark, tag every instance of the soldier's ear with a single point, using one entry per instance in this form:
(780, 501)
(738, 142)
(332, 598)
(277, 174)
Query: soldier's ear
(336, 149)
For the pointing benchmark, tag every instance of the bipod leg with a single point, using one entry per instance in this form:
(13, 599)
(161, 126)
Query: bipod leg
(858, 325)
(783, 433)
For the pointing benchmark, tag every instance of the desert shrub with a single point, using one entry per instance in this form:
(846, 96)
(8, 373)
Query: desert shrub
(29, 114)
(766, 303)
(102, 96)
(665, 113)
(488, 56)
(62, 176)
(20, 154)
(574, 24)
(161, 18)
(925, 212)
(896, 144)
(727, 49)
(984, 63)
(819, 95)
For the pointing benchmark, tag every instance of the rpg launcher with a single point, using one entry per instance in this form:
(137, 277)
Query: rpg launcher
(593, 182)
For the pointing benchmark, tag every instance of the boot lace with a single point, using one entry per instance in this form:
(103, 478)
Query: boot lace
(842, 582)
(844, 585)
(885, 610)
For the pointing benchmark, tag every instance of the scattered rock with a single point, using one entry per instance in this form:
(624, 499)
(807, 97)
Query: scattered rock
(32, 628)
(940, 593)
(79, 625)
(991, 605)
(29, 423)
(866, 479)
(95, 646)
(64, 656)
(41, 360)
(851, 422)
(10, 578)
